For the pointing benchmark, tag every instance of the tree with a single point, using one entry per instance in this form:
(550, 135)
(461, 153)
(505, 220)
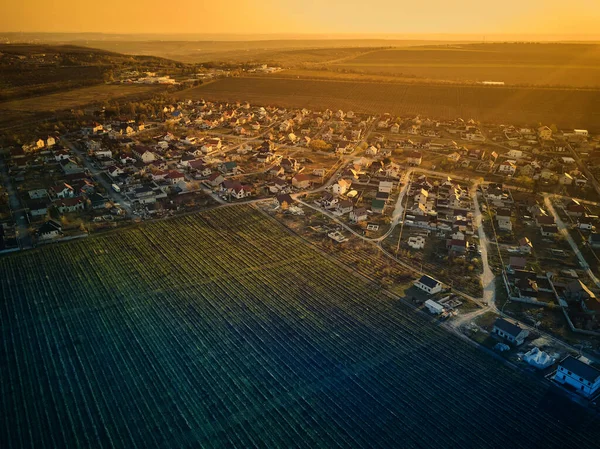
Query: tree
(319, 145)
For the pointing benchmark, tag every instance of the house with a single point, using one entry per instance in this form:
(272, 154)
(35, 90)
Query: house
(69, 204)
(62, 191)
(371, 151)
(594, 240)
(175, 177)
(504, 223)
(49, 230)
(378, 206)
(456, 246)
(413, 158)
(328, 201)
(341, 187)
(577, 291)
(525, 245)
(507, 168)
(97, 201)
(579, 375)
(517, 263)
(516, 154)
(37, 208)
(586, 223)
(215, 179)
(433, 307)
(70, 166)
(143, 154)
(575, 208)
(289, 165)
(421, 197)
(453, 157)
(229, 168)
(385, 186)
(544, 133)
(548, 230)
(36, 194)
(429, 285)
(345, 206)
(510, 331)
(301, 181)
(565, 179)
(416, 242)
(358, 215)
(285, 201)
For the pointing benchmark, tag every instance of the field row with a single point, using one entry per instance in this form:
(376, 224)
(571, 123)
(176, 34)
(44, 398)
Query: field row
(223, 330)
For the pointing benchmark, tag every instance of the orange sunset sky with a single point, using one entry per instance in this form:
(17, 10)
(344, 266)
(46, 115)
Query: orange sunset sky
(558, 17)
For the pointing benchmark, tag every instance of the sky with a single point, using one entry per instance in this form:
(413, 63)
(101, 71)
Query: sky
(480, 17)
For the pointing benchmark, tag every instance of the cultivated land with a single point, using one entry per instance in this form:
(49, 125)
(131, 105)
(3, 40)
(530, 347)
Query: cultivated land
(77, 97)
(223, 330)
(568, 108)
(525, 64)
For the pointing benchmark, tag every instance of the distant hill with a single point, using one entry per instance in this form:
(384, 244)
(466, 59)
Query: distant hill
(30, 70)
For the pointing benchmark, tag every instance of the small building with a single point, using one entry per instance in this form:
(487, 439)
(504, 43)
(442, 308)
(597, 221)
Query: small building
(434, 307)
(510, 331)
(49, 230)
(578, 374)
(594, 240)
(358, 215)
(378, 206)
(385, 186)
(429, 284)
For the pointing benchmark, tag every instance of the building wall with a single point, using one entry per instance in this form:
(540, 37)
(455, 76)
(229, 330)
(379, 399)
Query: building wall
(563, 376)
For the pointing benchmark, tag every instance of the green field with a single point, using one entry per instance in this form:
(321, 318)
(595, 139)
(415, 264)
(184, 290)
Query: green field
(223, 330)
(567, 108)
(574, 65)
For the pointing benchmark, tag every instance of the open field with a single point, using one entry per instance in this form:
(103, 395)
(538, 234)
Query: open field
(574, 65)
(567, 108)
(77, 97)
(223, 330)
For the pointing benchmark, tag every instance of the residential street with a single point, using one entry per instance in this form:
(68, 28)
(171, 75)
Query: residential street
(116, 197)
(19, 214)
(562, 228)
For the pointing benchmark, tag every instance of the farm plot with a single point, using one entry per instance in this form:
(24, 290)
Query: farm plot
(566, 108)
(223, 330)
(531, 64)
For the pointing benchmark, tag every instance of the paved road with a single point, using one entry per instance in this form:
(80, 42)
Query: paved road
(116, 197)
(562, 228)
(19, 214)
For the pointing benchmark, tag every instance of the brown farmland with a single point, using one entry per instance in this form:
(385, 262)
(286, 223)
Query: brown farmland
(567, 108)
(562, 65)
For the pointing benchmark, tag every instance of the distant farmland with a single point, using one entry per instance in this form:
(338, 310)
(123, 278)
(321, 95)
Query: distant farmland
(574, 65)
(223, 330)
(568, 108)
(77, 97)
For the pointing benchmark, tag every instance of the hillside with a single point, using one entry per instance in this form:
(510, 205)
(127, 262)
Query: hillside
(31, 70)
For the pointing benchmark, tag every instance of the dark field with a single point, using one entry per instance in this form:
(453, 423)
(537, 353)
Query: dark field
(222, 330)
(573, 65)
(78, 97)
(567, 108)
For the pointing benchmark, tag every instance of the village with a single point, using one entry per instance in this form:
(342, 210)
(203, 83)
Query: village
(503, 213)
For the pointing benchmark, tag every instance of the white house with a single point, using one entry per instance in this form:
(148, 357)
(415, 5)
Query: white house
(341, 187)
(510, 331)
(429, 284)
(358, 215)
(583, 377)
